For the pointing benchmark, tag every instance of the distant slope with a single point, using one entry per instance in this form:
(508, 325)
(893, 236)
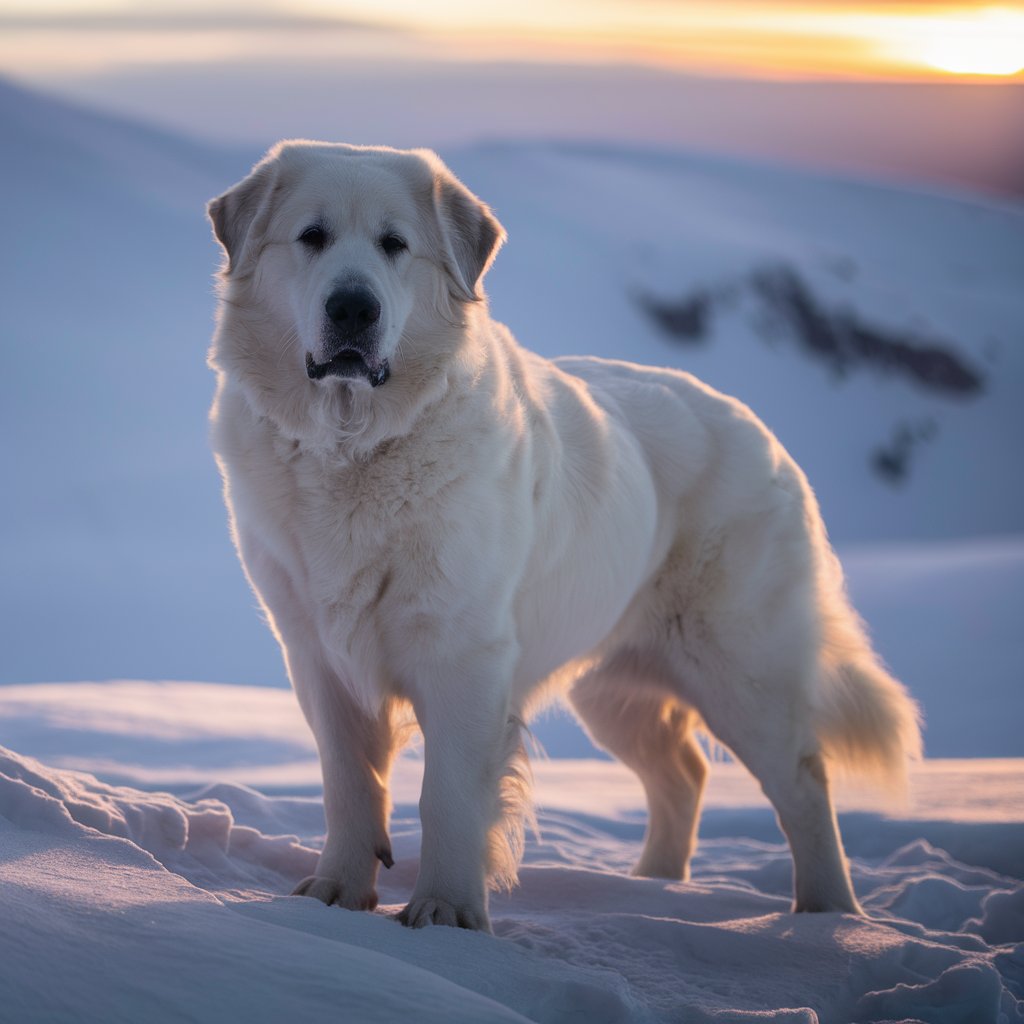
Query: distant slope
(950, 131)
(115, 555)
(112, 535)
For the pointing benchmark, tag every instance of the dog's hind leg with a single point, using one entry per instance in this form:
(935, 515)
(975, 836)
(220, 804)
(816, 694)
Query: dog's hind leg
(770, 729)
(653, 735)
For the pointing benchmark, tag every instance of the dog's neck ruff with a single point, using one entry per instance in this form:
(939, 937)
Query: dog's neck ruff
(347, 419)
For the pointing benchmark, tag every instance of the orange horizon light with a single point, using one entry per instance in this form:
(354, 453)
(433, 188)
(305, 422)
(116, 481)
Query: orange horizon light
(866, 40)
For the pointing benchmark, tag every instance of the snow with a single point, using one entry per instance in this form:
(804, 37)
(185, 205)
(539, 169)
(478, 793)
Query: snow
(947, 618)
(169, 904)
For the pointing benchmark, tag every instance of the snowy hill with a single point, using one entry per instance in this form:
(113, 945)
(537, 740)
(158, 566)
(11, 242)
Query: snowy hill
(831, 307)
(111, 523)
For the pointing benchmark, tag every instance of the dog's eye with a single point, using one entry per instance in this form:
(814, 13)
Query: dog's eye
(314, 237)
(393, 245)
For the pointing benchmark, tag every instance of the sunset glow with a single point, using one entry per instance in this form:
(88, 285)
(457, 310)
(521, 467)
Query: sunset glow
(859, 39)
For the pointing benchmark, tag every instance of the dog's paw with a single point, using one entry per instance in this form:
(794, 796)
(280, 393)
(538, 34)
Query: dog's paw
(333, 893)
(429, 910)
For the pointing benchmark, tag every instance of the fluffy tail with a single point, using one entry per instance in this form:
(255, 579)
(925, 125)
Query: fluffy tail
(868, 723)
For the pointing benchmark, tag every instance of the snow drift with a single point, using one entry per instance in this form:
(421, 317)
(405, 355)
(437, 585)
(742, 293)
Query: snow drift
(168, 905)
(165, 907)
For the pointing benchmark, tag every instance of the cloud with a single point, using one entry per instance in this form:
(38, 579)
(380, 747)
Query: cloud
(188, 21)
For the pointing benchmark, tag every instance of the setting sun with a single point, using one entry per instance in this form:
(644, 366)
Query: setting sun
(986, 43)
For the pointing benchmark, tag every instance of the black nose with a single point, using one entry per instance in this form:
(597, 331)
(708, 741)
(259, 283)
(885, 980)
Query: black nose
(352, 309)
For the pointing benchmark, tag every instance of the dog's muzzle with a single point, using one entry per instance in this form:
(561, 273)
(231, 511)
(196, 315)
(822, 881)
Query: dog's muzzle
(349, 363)
(350, 338)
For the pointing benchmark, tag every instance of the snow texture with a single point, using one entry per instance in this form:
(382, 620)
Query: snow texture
(169, 905)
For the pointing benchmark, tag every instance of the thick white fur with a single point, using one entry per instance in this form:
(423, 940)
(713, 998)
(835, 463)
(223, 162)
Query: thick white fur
(489, 527)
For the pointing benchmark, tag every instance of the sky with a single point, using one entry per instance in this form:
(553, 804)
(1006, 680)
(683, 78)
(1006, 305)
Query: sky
(910, 90)
(855, 39)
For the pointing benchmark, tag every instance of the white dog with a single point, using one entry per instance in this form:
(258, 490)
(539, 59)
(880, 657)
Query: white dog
(436, 519)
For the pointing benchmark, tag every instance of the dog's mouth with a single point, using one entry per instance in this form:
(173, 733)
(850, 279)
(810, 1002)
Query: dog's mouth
(349, 363)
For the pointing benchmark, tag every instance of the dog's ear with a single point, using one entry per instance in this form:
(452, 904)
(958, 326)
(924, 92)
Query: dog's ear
(240, 210)
(471, 234)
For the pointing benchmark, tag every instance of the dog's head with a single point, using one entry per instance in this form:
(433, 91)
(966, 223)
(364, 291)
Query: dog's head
(343, 262)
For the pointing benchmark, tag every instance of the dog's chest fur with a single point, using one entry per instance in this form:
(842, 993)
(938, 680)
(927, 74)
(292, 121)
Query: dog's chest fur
(367, 546)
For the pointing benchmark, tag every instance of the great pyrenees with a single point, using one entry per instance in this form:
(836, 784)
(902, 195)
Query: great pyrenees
(444, 527)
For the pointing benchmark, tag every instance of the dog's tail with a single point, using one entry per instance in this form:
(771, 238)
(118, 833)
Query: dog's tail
(867, 722)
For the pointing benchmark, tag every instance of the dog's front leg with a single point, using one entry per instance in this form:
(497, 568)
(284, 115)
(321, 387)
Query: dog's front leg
(355, 759)
(356, 747)
(466, 733)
